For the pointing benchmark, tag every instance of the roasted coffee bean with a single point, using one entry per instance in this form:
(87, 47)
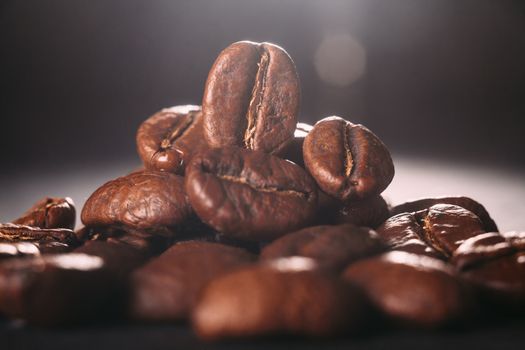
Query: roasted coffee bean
(496, 265)
(481, 248)
(411, 289)
(446, 226)
(167, 140)
(21, 233)
(465, 202)
(403, 232)
(144, 201)
(251, 98)
(285, 297)
(167, 287)
(60, 289)
(347, 160)
(370, 212)
(332, 247)
(54, 289)
(250, 195)
(293, 151)
(442, 228)
(50, 213)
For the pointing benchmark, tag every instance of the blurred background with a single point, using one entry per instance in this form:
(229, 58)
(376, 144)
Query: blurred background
(442, 82)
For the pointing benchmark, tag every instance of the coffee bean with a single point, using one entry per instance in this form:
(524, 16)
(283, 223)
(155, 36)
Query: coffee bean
(465, 202)
(446, 226)
(332, 247)
(250, 195)
(347, 160)
(411, 289)
(436, 231)
(145, 201)
(370, 212)
(287, 297)
(403, 232)
(496, 265)
(53, 290)
(251, 98)
(21, 233)
(167, 140)
(49, 213)
(167, 287)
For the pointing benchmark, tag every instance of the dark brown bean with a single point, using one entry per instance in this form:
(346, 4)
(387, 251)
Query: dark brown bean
(370, 212)
(167, 287)
(347, 160)
(251, 98)
(145, 201)
(332, 247)
(496, 265)
(250, 195)
(167, 140)
(49, 213)
(465, 202)
(286, 297)
(21, 233)
(411, 289)
(442, 228)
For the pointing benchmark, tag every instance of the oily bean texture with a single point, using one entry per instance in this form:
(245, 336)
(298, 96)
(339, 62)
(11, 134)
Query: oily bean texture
(465, 202)
(251, 98)
(145, 201)
(436, 231)
(166, 288)
(167, 140)
(250, 195)
(411, 289)
(347, 160)
(496, 264)
(332, 247)
(49, 213)
(262, 301)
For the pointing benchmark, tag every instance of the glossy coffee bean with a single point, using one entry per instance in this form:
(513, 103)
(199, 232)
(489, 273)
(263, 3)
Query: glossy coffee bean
(167, 140)
(411, 289)
(404, 232)
(437, 231)
(56, 289)
(287, 297)
(251, 98)
(446, 226)
(465, 202)
(370, 212)
(49, 213)
(145, 201)
(496, 265)
(293, 151)
(167, 287)
(250, 195)
(332, 247)
(347, 160)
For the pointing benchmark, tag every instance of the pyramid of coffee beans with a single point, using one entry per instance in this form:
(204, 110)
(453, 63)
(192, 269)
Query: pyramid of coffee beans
(245, 222)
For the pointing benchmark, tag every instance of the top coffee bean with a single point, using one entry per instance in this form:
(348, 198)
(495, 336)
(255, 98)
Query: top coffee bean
(251, 98)
(347, 160)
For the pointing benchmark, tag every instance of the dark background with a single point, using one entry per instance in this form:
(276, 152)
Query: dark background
(443, 79)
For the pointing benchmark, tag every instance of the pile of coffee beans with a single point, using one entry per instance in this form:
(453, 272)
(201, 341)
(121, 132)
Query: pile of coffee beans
(247, 223)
